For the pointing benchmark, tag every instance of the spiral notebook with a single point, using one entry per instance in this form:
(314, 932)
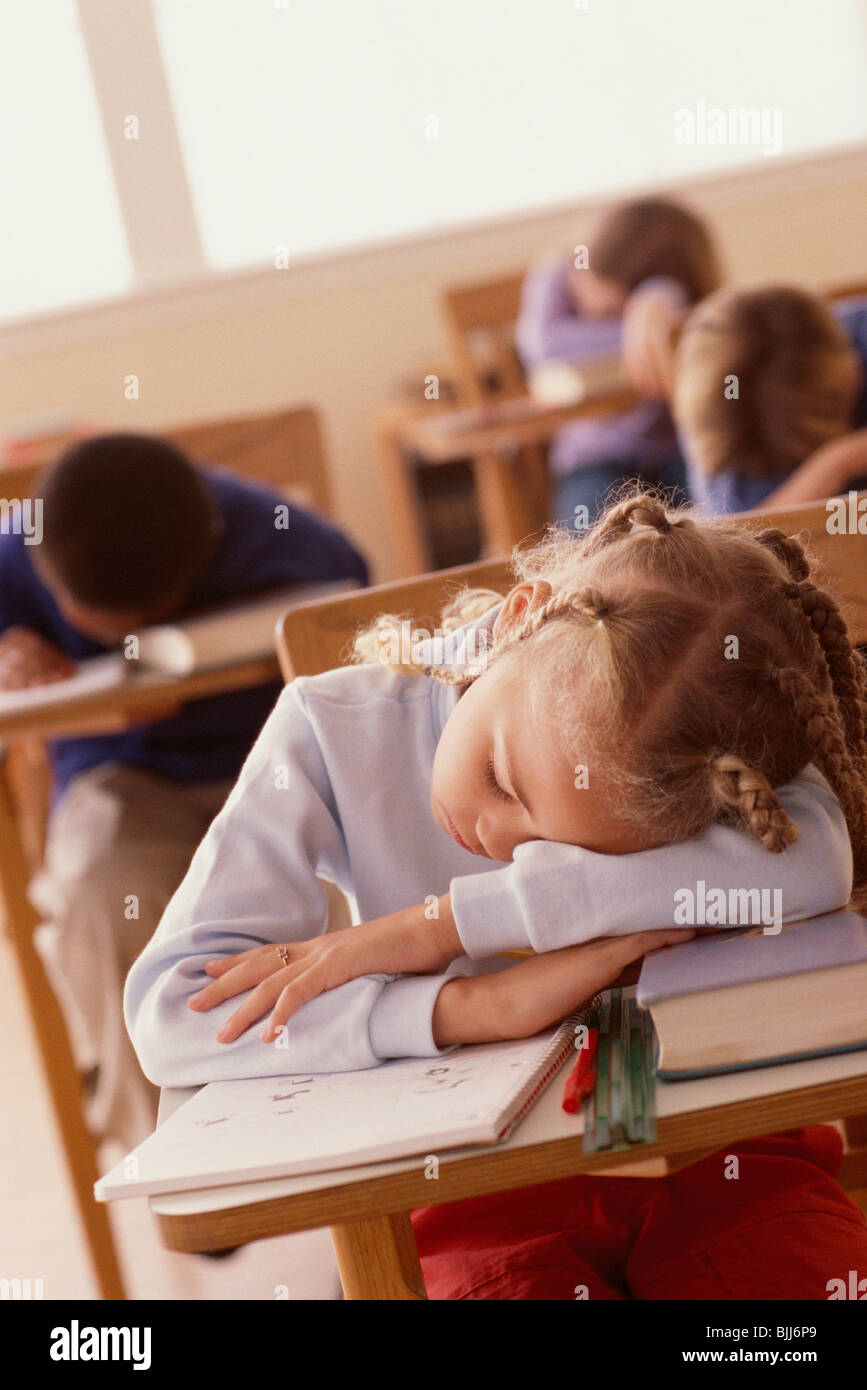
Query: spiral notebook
(274, 1127)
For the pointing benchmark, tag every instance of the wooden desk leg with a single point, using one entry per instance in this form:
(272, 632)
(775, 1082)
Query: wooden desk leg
(378, 1259)
(505, 511)
(856, 1130)
(411, 550)
(58, 1064)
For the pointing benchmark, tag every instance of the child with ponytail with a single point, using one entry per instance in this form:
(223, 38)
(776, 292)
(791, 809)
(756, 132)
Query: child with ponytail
(602, 749)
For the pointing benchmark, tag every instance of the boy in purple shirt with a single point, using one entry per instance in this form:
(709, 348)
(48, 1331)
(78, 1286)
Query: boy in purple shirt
(133, 533)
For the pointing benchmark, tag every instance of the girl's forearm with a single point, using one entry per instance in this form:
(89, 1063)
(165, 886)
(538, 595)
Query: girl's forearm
(824, 473)
(466, 1012)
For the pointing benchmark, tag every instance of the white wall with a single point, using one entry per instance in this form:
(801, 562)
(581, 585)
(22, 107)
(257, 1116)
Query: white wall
(340, 333)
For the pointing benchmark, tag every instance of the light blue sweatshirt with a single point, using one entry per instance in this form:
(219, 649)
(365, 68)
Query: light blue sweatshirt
(338, 786)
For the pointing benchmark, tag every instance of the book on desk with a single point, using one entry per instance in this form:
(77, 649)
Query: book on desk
(229, 634)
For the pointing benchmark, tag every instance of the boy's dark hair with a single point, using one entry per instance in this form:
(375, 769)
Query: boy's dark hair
(655, 236)
(127, 522)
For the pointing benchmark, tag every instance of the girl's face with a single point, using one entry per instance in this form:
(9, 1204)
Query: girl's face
(498, 780)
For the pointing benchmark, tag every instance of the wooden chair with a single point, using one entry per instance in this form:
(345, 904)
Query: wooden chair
(315, 637)
(841, 560)
(513, 485)
(283, 449)
(512, 490)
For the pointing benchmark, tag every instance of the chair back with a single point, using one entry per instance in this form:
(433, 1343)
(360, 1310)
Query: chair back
(830, 532)
(317, 636)
(282, 448)
(481, 321)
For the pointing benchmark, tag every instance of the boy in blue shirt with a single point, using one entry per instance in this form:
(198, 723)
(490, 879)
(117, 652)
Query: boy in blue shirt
(133, 533)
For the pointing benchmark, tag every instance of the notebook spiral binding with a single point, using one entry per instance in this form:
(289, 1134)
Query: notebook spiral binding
(562, 1046)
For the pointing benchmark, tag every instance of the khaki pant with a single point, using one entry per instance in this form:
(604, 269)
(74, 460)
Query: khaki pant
(119, 842)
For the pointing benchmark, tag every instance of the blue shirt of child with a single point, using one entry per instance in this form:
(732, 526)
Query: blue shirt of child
(209, 738)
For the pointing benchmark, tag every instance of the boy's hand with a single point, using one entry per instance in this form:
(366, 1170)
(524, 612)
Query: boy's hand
(539, 992)
(28, 659)
(403, 942)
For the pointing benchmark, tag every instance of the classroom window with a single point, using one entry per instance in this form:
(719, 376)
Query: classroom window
(62, 239)
(317, 125)
(310, 126)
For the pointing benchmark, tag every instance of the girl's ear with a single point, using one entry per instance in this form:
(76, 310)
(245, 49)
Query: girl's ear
(519, 602)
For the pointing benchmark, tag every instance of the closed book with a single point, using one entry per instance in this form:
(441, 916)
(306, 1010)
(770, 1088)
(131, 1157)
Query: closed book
(743, 999)
(239, 632)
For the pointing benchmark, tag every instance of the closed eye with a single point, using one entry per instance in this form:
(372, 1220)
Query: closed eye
(491, 779)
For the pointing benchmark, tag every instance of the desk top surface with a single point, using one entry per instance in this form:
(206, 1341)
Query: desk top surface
(547, 1122)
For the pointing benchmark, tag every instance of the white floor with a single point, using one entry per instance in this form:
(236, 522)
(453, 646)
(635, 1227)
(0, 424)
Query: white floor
(40, 1234)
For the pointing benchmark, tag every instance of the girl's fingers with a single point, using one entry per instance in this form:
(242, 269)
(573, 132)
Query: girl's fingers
(216, 968)
(306, 985)
(235, 980)
(258, 1002)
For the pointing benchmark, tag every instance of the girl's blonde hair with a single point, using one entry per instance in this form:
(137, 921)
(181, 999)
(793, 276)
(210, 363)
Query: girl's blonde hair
(763, 378)
(695, 662)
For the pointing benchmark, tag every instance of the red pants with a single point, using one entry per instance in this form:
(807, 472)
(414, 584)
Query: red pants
(779, 1230)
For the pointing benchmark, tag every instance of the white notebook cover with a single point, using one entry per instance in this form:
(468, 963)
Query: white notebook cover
(306, 1122)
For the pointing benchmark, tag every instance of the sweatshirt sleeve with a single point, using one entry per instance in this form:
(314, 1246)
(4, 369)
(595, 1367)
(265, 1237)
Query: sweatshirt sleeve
(554, 895)
(549, 327)
(253, 880)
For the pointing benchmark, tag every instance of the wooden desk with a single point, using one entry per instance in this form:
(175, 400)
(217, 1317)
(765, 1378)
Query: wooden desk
(368, 1207)
(143, 697)
(483, 433)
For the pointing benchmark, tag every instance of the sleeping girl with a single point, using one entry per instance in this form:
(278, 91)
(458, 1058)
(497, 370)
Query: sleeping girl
(667, 699)
(609, 745)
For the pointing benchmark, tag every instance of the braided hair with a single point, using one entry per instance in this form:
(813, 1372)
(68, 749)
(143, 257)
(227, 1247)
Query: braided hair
(700, 665)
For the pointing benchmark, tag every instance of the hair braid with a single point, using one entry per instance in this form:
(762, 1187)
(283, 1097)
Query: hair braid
(787, 549)
(643, 510)
(845, 664)
(584, 603)
(750, 793)
(823, 729)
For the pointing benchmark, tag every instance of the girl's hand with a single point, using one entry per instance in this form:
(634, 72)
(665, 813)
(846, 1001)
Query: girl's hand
(650, 321)
(540, 991)
(403, 942)
(825, 473)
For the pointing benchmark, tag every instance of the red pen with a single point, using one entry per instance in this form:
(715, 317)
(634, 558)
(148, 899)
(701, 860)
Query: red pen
(579, 1082)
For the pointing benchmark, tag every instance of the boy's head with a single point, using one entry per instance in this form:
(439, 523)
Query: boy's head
(763, 378)
(128, 527)
(638, 241)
